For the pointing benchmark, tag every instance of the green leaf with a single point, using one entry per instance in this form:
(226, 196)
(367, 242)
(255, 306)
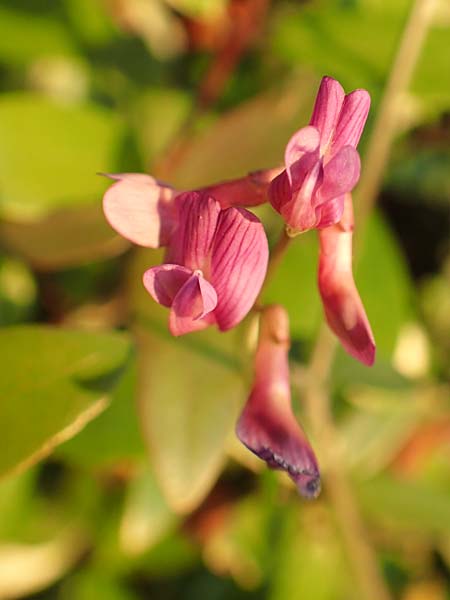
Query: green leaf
(50, 154)
(188, 405)
(294, 285)
(384, 284)
(112, 437)
(53, 382)
(42, 35)
(17, 291)
(63, 239)
(400, 504)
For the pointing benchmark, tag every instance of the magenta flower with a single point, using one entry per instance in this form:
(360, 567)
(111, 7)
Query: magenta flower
(216, 264)
(344, 310)
(267, 425)
(321, 160)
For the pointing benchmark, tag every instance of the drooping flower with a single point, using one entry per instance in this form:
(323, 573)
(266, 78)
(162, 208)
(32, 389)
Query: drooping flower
(216, 264)
(344, 310)
(321, 160)
(267, 425)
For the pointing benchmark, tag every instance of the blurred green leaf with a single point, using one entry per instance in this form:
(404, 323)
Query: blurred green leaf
(23, 39)
(50, 154)
(188, 406)
(113, 436)
(146, 517)
(406, 505)
(384, 284)
(63, 239)
(53, 382)
(294, 285)
(308, 564)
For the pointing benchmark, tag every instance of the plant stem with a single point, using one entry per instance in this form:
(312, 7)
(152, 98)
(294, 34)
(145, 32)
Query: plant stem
(317, 395)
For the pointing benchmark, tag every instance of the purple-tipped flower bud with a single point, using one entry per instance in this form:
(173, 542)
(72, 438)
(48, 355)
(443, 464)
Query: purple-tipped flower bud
(267, 425)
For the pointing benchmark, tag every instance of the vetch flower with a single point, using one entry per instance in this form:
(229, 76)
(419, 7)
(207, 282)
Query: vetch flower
(216, 264)
(344, 310)
(321, 160)
(267, 425)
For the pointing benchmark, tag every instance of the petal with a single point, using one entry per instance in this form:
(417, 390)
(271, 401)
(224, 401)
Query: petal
(280, 191)
(238, 264)
(300, 212)
(351, 120)
(196, 299)
(251, 190)
(304, 140)
(344, 310)
(191, 243)
(340, 174)
(329, 213)
(140, 209)
(327, 108)
(164, 282)
(267, 425)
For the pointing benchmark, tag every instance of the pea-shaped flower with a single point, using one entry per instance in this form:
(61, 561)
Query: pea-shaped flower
(321, 161)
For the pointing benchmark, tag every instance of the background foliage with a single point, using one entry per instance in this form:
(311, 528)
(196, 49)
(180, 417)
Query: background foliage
(120, 475)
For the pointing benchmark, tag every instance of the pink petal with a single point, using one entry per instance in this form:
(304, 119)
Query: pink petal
(196, 299)
(280, 191)
(164, 282)
(238, 264)
(351, 120)
(340, 174)
(327, 108)
(140, 209)
(304, 140)
(299, 213)
(329, 213)
(191, 243)
(267, 425)
(342, 304)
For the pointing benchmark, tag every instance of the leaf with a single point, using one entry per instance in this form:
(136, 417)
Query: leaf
(146, 518)
(309, 565)
(42, 35)
(384, 284)
(188, 406)
(53, 382)
(113, 436)
(294, 285)
(63, 239)
(406, 505)
(50, 154)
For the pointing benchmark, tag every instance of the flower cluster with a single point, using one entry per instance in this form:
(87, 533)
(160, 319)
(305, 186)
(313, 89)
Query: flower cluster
(217, 256)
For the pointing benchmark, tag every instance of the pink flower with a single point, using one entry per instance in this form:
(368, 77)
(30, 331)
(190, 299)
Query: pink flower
(344, 310)
(216, 264)
(321, 160)
(267, 425)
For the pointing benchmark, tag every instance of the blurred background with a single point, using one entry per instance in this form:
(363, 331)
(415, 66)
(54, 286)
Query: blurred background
(120, 475)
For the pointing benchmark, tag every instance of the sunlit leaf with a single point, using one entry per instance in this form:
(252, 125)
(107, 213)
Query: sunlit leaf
(50, 154)
(53, 382)
(17, 291)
